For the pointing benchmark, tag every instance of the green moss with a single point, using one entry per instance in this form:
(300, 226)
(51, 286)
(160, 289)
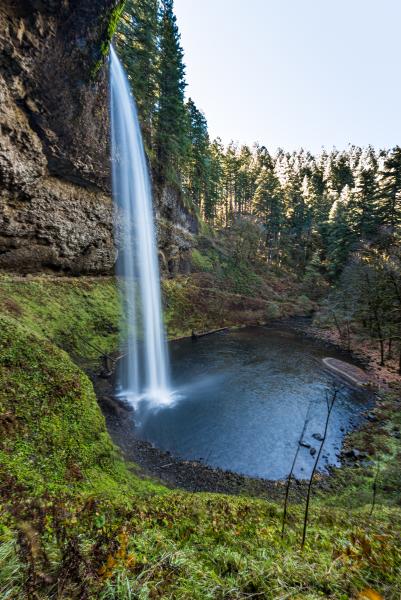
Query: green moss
(110, 28)
(80, 315)
(273, 311)
(304, 304)
(189, 307)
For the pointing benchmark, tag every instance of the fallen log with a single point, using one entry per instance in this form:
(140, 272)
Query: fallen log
(351, 373)
(195, 336)
(205, 333)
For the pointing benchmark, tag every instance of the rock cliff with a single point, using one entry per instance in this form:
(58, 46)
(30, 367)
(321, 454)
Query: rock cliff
(55, 205)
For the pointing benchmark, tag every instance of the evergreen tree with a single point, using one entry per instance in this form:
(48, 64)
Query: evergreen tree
(230, 172)
(137, 46)
(363, 212)
(245, 185)
(262, 158)
(341, 173)
(215, 194)
(171, 142)
(298, 219)
(268, 206)
(341, 238)
(198, 160)
(389, 196)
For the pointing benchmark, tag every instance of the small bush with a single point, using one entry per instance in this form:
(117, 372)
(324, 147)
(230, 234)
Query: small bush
(201, 262)
(304, 303)
(273, 311)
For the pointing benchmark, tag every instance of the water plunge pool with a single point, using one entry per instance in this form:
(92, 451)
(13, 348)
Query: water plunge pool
(243, 397)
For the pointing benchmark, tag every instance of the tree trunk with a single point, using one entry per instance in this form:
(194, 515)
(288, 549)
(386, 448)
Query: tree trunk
(399, 362)
(381, 352)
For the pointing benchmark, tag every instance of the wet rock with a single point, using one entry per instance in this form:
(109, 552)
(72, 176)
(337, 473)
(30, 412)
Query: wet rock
(116, 406)
(318, 437)
(313, 451)
(304, 444)
(354, 453)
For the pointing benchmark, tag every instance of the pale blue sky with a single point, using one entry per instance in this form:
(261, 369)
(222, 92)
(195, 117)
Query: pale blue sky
(294, 73)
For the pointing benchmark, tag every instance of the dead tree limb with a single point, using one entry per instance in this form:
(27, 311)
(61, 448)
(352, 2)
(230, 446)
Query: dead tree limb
(330, 404)
(374, 489)
(287, 489)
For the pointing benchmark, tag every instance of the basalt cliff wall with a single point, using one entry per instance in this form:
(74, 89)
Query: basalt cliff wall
(55, 206)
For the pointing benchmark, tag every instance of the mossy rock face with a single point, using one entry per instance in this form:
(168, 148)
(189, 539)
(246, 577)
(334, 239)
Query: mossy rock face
(111, 20)
(81, 315)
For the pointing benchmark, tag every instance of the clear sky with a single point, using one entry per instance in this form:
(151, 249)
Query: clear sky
(295, 73)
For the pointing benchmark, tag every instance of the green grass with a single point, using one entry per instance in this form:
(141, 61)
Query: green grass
(183, 546)
(352, 486)
(77, 522)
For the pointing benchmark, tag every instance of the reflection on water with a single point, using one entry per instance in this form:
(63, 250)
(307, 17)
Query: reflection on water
(241, 402)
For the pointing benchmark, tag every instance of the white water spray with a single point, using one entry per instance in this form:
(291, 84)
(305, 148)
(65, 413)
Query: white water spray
(143, 370)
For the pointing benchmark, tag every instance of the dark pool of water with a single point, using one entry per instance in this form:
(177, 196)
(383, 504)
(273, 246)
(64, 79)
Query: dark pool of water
(244, 397)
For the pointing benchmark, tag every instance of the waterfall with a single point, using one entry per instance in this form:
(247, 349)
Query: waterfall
(143, 371)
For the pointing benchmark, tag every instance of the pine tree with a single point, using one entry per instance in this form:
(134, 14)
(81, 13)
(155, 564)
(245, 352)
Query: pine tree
(269, 207)
(215, 194)
(341, 174)
(197, 167)
(137, 46)
(171, 142)
(389, 196)
(245, 185)
(341, 237)
(230, 170)
(364, 198)
(262, 158)
(298, 219)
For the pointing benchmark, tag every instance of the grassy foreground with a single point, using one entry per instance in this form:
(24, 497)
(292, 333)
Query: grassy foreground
(78, 522)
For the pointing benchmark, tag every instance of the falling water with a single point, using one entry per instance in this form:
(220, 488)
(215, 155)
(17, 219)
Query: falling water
(143, 370)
